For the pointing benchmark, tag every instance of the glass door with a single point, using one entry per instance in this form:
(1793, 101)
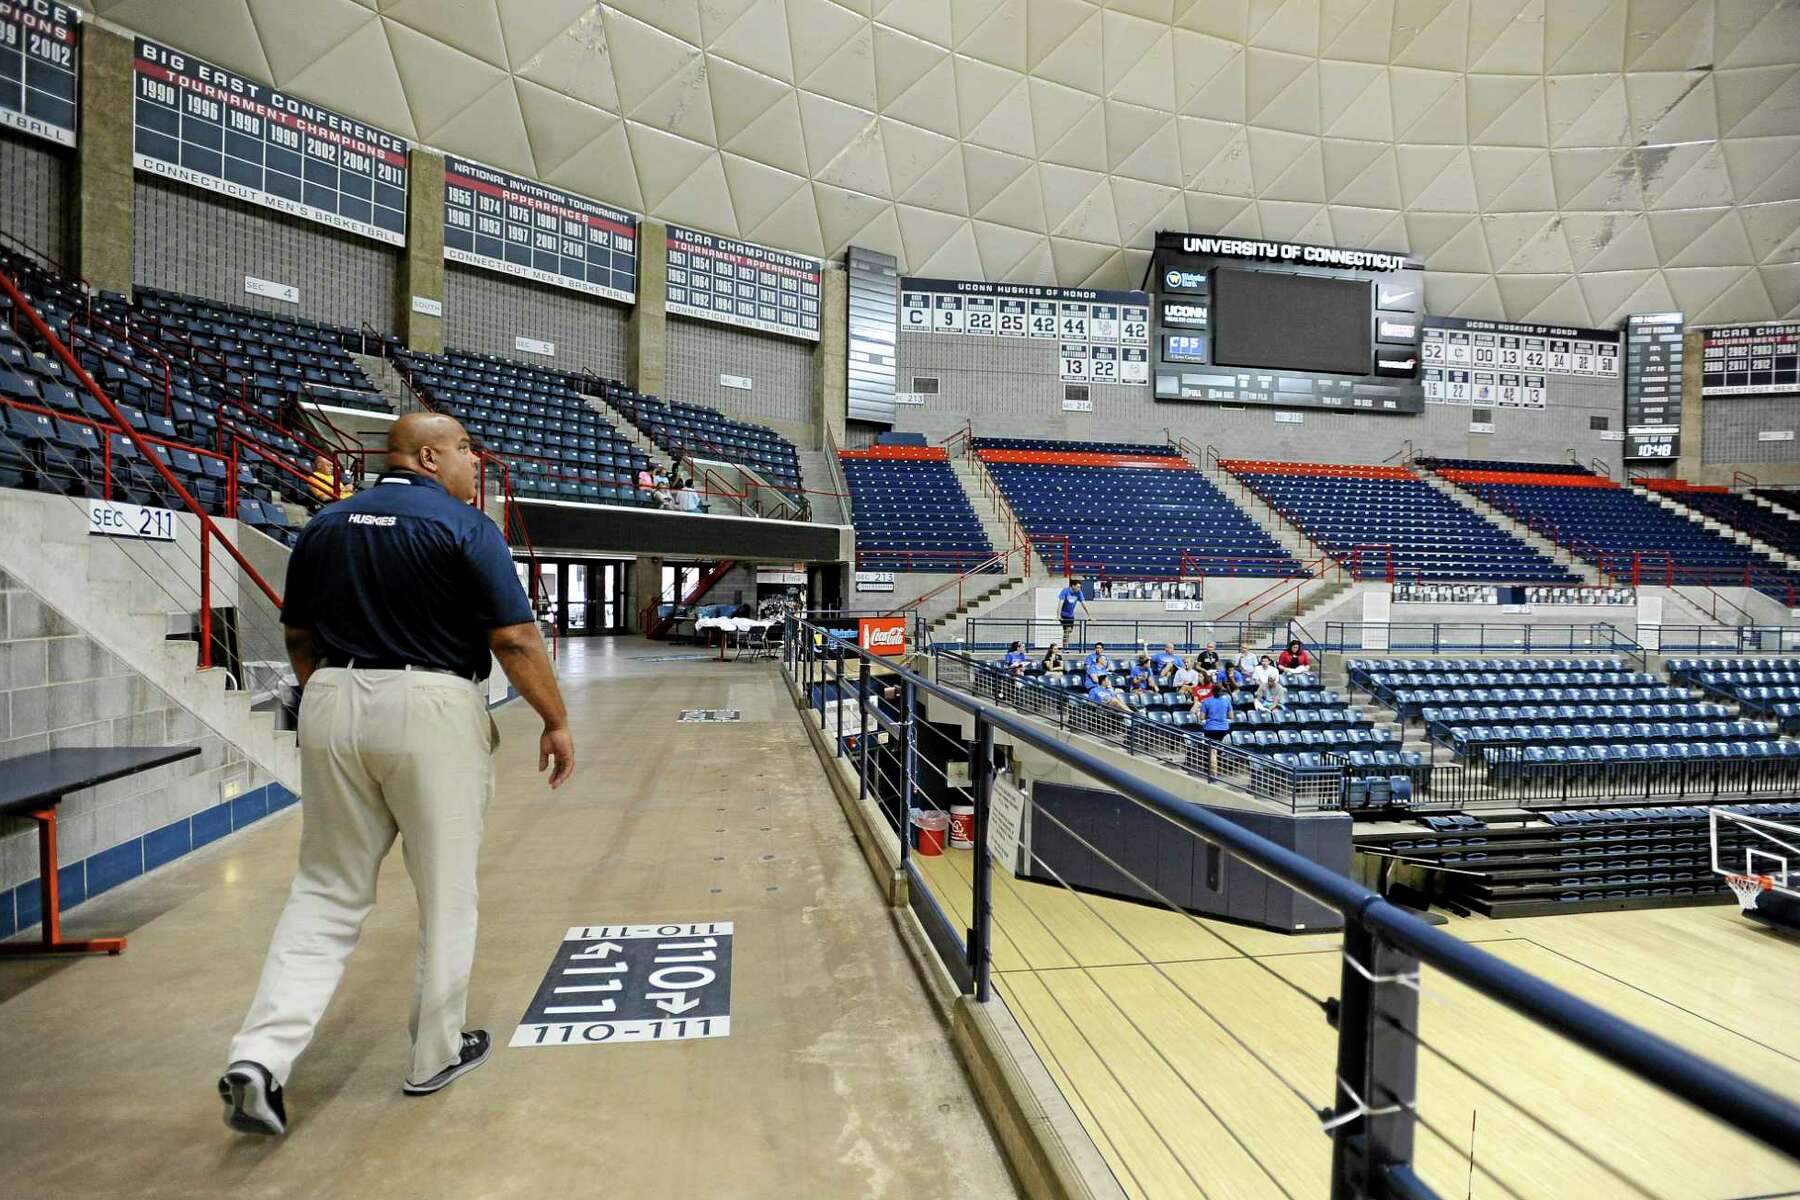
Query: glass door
(575, 593)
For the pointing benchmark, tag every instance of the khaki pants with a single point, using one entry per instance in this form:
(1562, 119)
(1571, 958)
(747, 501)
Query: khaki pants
(381, 752)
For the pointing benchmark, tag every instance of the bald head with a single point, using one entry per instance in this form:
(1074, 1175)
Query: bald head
(436, 445)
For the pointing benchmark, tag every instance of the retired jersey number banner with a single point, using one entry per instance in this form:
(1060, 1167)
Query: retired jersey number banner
(740, 283)
(633, 983)
(499, 221)
(211, 128)
(39, 54)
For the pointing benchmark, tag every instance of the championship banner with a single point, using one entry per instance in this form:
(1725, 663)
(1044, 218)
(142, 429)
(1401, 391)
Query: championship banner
(740, 283)
(211, 128)
(499, 221)
(39, 55)
(1751, 360)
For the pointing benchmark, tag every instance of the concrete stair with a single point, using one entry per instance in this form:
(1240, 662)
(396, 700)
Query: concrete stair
(947, 622)
(1777, 557)
(820, 481)
(1537, 541)
(990, 509)
(383, 375)
(119, 594)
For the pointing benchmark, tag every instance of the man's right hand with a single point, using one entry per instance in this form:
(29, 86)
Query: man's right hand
(557, 745)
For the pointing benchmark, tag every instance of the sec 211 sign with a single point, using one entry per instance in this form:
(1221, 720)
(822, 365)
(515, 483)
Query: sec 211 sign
(111, 518)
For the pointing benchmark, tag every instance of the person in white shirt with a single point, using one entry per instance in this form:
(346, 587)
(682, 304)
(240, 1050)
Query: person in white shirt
(687, 499)
(1186, 679)
(1265, 674)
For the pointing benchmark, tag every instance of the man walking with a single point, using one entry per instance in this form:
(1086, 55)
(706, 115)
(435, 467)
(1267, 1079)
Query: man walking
(1066, 600)
(394, 599)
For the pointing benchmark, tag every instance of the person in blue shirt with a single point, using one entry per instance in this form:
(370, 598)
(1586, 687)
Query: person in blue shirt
(1097, 663)
(1016, 659)
(1230, 677)
(1166, 662)
(1066, 600)
(1215, 721)
(1143, 675)
(1107, 696)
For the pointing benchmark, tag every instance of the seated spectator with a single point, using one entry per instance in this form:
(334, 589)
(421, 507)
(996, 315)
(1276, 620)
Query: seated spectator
(665, 499)
(324, 483)
(1271, 696)
(687, 498)
(1208, 660)
(646, 483)
(1166, 662)
(1016, 659)
(1053, 658)
(1266, 675)
(1186, 680)
(1294, 660)
(1143, 675)
(1246, 661)
(1108, 696)
(1232, 679)
(1097, 663)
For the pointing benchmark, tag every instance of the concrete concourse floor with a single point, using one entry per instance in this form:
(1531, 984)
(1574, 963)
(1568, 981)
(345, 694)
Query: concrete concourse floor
(836, 1080)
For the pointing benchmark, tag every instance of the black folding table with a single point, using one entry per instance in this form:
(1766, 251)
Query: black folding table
(32, 785)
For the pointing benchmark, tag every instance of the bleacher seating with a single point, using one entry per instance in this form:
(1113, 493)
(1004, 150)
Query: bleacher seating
(1575, 859)
(279, 359)
(1768, 687)
(911, 513)
(555, 444)
(1128, 511)
(692, 430)
(1783, 498)
(1734, 510)
(1627, 535)
(1386, 521)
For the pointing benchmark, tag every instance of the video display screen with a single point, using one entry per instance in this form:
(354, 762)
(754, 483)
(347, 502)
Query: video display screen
(1293, 321)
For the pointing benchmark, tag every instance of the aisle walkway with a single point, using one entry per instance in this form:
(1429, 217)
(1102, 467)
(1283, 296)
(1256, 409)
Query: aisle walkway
(835, 1082)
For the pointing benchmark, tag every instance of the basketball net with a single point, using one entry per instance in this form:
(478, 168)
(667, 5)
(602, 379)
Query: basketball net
(1748, 888)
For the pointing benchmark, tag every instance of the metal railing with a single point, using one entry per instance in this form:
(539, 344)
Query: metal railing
(1437, 637)
(871, 714)
(997, 633)
(1722, 639)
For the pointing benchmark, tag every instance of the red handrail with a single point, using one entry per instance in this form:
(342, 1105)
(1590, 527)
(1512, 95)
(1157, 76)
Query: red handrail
(1385, 555)
(208, 530)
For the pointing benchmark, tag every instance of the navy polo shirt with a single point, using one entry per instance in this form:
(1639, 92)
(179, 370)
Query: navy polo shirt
(404, 571)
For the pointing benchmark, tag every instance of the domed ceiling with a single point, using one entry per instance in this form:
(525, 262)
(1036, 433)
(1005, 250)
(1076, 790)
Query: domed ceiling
(1551, 160)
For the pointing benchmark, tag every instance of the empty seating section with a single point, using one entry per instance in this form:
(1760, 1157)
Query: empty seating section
(1786, 499)
(1143, 449)
(59, 438)
(1627, 535)
(556, 446)
(1772, 527)
(911, 513)
(1386, 522)
(1128, 512)
(1578, 858)
(276, 359)
(1489, 464)
(1768, 687)
(690, 430)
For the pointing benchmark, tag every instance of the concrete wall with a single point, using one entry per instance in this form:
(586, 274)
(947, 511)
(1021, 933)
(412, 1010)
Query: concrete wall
(188, 240)
(59, 688)
(485, 310)
(34, 193)
(781, 371)
(1730, 425)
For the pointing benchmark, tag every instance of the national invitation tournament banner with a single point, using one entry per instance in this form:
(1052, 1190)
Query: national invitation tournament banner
(211, 128)
(740, 283)
(499, 221)
(39, 56)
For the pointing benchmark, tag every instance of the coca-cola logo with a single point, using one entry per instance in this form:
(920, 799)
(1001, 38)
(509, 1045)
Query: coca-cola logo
(882, 635)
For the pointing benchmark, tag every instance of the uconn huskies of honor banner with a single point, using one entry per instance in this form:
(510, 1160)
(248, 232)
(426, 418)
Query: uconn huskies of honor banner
(211, 128)
(1101, 336)
(499, 221)
(1512, 365)
(39, 53)
(740, 283)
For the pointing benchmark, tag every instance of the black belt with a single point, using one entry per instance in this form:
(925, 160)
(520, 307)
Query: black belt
(391, 664)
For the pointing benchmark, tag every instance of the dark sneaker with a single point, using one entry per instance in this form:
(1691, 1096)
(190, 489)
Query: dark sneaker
(252, 1099)
(475, 1050)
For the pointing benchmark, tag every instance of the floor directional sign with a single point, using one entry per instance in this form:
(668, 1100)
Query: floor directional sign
(633, 983)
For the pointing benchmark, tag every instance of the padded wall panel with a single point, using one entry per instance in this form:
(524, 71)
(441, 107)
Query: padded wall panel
(780, 371)
(485, 312)
(187, 240)
(34, 182)
(1730, 425)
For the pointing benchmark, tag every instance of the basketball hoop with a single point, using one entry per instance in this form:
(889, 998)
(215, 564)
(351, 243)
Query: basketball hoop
(1748, 887)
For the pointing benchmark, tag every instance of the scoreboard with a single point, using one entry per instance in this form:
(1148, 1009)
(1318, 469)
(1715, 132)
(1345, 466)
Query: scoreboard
(497, 220)
(1509, 365)
(39, 55)
(1100, 336)
(1653, 357)
(1751, 360)
(211, 128)
(740, 283)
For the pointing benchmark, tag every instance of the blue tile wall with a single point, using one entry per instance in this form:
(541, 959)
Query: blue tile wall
(20, 907)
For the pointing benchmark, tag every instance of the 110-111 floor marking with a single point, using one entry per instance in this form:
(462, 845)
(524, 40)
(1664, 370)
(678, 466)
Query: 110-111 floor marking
(633, 983)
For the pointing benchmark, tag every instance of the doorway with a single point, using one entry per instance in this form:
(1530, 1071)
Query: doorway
(584, 596)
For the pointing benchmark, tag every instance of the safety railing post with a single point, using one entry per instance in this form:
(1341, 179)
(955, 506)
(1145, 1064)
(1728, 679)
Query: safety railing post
(837, 682)
(910, 746)
(205, 601)
(982, 910)
(1377, 1022)
(862, 729)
